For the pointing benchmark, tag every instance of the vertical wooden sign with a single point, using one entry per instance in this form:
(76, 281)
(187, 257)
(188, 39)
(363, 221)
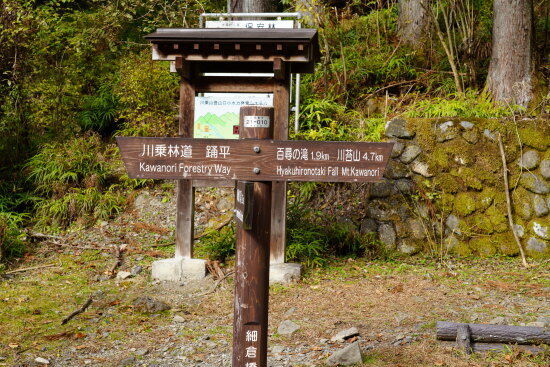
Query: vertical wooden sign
(253, 217)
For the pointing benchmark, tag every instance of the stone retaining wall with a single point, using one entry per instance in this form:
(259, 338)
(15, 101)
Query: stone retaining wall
(444, 187)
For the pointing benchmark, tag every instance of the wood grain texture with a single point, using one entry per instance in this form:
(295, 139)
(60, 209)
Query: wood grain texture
(185, 200)
(495, 333)
(281, 103)
(250, 326)
(464, 338)
(234, 85)
(497, 347)
(254, 160)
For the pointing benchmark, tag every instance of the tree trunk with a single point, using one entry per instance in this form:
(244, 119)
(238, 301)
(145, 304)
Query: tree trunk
(311, 11)
(252, 6)
(511, 68)
(413, 22)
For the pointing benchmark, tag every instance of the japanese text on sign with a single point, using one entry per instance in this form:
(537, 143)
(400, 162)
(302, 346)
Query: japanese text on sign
(256, 160)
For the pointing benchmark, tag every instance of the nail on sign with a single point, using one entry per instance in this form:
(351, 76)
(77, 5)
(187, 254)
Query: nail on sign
(254, 160)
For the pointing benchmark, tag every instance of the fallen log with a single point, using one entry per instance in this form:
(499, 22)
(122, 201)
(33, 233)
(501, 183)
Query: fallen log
(496, 347)
(495, 333)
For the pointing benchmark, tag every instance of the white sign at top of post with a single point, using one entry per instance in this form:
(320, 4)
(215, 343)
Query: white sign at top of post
(217, 114)
(255, 24)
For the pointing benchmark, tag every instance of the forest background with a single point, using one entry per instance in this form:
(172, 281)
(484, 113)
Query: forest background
(73, 74)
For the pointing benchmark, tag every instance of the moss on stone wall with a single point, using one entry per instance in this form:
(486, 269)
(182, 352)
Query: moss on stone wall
(535, 136)
(459, 175)
(465, 161)
(465, 203)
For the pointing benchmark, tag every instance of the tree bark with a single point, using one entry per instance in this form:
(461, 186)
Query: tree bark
(413, 22)
(311, 11)
(495, 333)
(511, 68)
(252, 6)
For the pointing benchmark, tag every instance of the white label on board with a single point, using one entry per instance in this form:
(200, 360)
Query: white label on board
(256, 121)
(255, 24)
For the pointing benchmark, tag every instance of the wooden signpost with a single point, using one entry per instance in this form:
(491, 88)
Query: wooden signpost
(195, 54)
(254, 161)
(260, 165)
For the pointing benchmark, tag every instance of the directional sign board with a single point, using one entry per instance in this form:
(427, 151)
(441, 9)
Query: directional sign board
(254, 160)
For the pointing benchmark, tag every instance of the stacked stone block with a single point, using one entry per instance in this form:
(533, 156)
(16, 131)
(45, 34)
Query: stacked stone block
(444, 188)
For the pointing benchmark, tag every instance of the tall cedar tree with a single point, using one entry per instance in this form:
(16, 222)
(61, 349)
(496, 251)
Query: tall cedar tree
(252, 6)
(413, 22)
(510, 77)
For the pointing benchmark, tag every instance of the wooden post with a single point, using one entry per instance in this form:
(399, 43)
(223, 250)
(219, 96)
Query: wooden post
(464, 338)
(253, 211)
(278, 209)
(185, 191)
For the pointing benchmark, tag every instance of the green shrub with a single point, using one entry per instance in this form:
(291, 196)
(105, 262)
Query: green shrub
(12, 243)
(147, 94)
(312, 237)
(467, 105)
(77, 180)
(218, 245)
(100, 112)
(78, 162)
(306, 242)
(327, 120)
(86, 204)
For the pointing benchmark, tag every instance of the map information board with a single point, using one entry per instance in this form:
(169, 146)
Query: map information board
(217, 114)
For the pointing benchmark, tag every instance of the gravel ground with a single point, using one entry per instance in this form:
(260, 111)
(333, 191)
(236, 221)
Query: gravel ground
(393, 304)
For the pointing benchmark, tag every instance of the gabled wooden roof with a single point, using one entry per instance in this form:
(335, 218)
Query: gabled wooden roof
(299, 47)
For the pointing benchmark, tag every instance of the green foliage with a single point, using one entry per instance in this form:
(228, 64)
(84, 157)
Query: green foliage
(148, 95)
(78, 181)
(86, 204)
(305, 240)
(99, 112)
(78, 162)
(467, 105)
(12, 242)
(327, 120)
(312, 238)
(219, 245)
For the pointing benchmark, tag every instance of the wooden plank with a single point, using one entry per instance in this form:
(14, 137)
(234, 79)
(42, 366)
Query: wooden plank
(495, 333)
(279, 70)
(185, 200)
(234, 85)
(254, 160)
(250, 324)
(281, 103)
(244, 204)
(266, 66)
(464, 338)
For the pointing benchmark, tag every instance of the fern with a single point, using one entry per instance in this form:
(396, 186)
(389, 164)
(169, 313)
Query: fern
(467, 105)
